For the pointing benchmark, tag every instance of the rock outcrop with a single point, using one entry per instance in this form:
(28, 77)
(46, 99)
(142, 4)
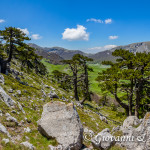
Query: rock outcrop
(6, 98)
(137, 138)
(61, 121)
(131, 121)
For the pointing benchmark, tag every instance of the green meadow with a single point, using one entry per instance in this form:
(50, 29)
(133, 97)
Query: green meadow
(92, 75)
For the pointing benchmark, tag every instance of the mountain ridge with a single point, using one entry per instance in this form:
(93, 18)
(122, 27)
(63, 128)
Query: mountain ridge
(63, 53)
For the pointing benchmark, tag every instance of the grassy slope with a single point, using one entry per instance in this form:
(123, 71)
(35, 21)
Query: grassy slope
(31, 100)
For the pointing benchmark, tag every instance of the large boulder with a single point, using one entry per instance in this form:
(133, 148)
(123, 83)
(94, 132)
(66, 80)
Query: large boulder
(6, 98)
(62, 122)
(103, 140)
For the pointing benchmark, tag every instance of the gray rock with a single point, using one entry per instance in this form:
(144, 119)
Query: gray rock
(27, 138)
(116, 129)
(62, 122)
(79, 105)
(59, 147)
(5, 140)
(46, 86)
(18, 92)
(10, 91)
(2, 80)
(4, 130)
(53, 89)
(102, 118)
(20, 107)
(14, 112)
(1, 113)
(52, 94)
(28, 145)
(10, 118)
(27, 130)
(21, 123)
(103, 140)
(44, 94)
(141, 134)
(6, 98)
(42, 99)
(131, 121)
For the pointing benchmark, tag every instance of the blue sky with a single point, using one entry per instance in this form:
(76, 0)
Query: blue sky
(88, 25)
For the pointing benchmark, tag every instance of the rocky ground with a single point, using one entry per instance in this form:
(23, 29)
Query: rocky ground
(36, 114)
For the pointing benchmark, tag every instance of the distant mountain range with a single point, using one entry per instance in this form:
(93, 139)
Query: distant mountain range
(56, 54)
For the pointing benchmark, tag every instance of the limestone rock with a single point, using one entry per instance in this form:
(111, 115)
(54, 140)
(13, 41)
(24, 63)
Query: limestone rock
(62, 122)
(5, 140)
(131, 121)
(59, 147)
(2, 80)
(103, 140)
(20, 107)
(52, 88)
(1, 113)
(6, 98)
(28, 145)
(27, 130)
(4, 130)
(10, 91)
(10, 118)
(141, 134)
(52, 94)
(18, 92)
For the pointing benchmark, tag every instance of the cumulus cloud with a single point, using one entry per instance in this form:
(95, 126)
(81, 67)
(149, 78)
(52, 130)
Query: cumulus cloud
(101, 48)
(2, 20)
(113, 37)
(108, 21)
(95, 20)
(73, 34)
(25, 31)
(36, 36)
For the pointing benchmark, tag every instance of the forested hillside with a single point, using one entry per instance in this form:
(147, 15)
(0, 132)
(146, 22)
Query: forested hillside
(72, 105)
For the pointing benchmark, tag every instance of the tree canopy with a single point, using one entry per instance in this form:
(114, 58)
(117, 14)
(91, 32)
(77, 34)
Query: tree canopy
(128, 80)
(13, 46)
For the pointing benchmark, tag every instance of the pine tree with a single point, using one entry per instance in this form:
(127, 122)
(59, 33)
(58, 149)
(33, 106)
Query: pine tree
(13, 39)
(79, 68)
(15, 48)
(128, 77)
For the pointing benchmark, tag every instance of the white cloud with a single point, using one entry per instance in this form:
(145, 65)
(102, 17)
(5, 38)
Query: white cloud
(113, 37)
(36, 36)
(108, 21)
(101, 48)
(1, 20)
(95, 20)
(25, 31)
(72, 34)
